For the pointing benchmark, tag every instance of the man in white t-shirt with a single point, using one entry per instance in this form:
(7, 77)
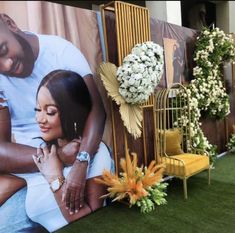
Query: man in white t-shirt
(25, 58)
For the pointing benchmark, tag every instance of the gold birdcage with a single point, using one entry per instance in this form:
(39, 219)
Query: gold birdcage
(172, 120)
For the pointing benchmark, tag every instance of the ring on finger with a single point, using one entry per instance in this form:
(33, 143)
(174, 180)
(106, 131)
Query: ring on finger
(39, 158)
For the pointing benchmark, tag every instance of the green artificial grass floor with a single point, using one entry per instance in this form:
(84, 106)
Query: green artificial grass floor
(209, 208)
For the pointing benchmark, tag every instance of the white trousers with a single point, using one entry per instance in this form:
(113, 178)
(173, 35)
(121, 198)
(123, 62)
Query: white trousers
(41, 206)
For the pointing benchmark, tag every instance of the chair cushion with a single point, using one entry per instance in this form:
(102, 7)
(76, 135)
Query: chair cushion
(173, 139)
(193, 164)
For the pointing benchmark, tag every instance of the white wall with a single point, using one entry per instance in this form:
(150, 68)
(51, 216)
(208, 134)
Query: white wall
(169, 11)
(174, 12)
(225, 16)
(231, 16)
(222, 16)
(157, 9)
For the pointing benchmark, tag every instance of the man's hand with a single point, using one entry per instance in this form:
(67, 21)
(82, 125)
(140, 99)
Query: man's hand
(74, 187)
(67, 152)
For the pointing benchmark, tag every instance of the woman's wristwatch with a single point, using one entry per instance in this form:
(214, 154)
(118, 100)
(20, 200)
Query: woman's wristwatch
(56, 184)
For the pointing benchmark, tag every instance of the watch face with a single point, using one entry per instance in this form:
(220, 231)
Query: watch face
(83, 156)
(55, 185)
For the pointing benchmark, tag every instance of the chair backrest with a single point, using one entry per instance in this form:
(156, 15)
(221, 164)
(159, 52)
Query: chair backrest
(172, 120)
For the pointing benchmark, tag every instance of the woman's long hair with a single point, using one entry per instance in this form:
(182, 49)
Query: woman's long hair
(72, 98)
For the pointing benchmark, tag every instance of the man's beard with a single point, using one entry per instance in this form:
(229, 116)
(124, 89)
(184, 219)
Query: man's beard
(28, 59)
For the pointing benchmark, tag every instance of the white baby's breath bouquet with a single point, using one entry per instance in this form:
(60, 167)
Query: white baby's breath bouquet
(213, 48)
(231, 143)
(206, 91)
(133, 82)
(140, 72)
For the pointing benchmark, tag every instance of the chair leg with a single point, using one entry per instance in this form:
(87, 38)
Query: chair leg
(185, 188)
(209, 176)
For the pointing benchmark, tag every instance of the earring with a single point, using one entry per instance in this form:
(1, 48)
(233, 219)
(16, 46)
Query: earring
(75, 127)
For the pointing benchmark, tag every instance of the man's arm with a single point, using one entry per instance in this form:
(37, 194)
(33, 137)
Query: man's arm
(92, 135)
(14, 157)
(95, 123)
(17, 158)
(73, 59)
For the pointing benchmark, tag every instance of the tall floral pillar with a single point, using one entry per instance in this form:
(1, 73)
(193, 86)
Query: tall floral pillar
(125, 25)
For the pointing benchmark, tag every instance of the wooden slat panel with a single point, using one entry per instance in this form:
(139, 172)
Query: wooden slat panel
(132, 27)
(133, 23)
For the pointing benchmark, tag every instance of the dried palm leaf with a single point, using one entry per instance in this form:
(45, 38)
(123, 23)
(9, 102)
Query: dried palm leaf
(107, 73)
(131, 115)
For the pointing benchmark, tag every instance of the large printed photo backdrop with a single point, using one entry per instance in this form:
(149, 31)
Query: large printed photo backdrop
(77, 25)
(80, 27)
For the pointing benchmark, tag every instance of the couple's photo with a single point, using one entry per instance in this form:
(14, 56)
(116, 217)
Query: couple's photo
(52, 120)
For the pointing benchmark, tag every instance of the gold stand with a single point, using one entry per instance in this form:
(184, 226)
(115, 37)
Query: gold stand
(132, 27)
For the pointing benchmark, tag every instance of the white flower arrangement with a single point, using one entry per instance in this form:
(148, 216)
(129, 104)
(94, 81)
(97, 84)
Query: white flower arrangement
(140, 72)
(213, 47)
(133, 82)
(207, 92)
(231, 144)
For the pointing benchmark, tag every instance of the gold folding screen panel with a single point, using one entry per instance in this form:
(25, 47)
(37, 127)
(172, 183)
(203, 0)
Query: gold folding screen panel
(132, 26)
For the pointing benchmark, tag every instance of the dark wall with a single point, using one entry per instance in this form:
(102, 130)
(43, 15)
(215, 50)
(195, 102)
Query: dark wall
(210, 11)
(88, 4)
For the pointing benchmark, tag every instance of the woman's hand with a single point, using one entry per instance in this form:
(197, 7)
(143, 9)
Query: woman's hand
(48, 163)
(74, 187)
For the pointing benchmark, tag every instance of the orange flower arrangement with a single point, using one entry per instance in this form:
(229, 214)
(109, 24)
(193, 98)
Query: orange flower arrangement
(140, 185)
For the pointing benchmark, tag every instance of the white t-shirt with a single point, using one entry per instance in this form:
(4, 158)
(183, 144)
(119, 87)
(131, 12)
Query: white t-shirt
(54, 53)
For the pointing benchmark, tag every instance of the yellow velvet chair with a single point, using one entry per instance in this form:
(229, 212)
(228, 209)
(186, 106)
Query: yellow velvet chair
(173, 136)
